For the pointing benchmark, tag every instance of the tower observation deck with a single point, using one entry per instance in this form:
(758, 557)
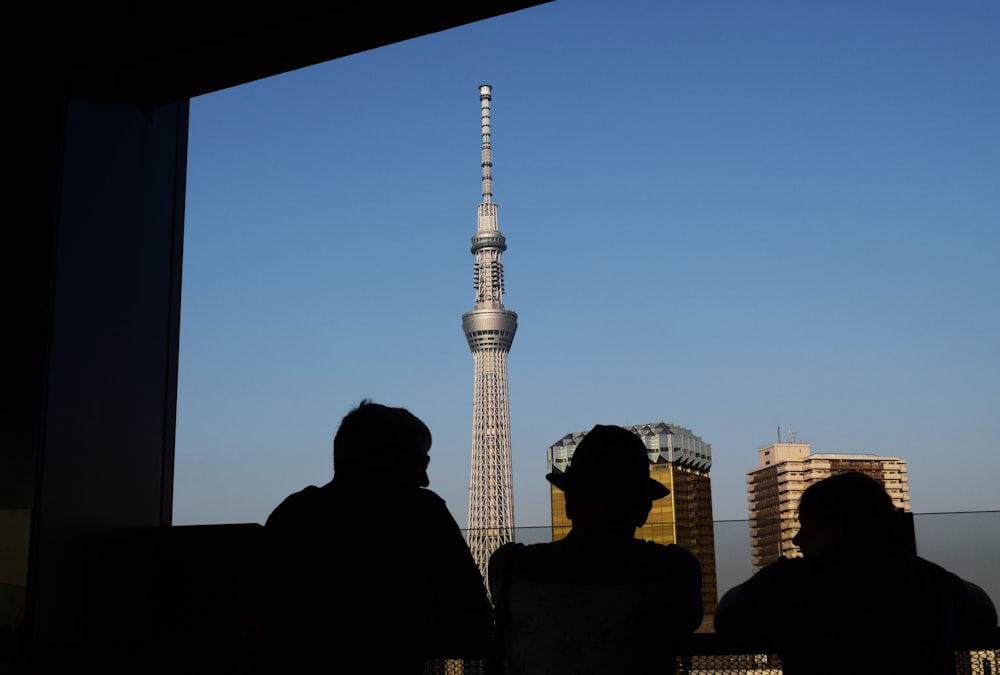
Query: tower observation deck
(489, 329)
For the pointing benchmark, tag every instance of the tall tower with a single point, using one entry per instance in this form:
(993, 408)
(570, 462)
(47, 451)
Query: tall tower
(489, 330)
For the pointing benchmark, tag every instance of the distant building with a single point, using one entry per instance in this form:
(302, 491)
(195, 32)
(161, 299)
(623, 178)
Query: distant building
(783, 473)
(681, 461)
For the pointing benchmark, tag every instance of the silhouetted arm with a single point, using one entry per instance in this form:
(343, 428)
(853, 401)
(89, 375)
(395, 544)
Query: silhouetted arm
(737, 618)
(499, 569)
(687, 608)
(977, 615)
(463, 607)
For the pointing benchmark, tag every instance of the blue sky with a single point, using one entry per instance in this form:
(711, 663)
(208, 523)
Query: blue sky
(726, 215)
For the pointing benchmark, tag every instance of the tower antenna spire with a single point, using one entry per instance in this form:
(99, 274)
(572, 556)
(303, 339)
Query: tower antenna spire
(485, 96)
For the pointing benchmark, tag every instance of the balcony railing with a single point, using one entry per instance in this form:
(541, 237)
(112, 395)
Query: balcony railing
(708, 654)
(204, 567)
(965, 543)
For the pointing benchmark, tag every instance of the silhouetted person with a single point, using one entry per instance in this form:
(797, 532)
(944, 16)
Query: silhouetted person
(857, 601)
(599, 601)
(370, 572)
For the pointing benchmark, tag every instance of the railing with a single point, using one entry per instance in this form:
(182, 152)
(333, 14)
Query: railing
(203, 630)
(965, 543)
(708, 654)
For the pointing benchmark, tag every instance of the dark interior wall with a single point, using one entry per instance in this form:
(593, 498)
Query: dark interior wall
(111, 374)
(32, 150)
(96, 158)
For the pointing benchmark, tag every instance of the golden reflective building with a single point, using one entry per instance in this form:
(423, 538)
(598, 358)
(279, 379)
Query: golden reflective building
(679, 460)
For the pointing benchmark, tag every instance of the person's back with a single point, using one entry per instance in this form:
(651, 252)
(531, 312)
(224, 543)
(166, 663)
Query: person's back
(598, 601)
(856, 602)
(875, 616)
(370, 568)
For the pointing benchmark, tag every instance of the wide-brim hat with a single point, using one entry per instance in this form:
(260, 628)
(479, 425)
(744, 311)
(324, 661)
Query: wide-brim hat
(610, 465)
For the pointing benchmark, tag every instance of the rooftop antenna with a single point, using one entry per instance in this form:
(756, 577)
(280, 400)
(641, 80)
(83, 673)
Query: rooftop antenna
(779, 433)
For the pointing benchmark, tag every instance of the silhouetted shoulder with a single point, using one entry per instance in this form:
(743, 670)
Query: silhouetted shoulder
(500, 564)
(673, 554)
(305, 501)
(505, 553)
(428, 497)
(422, 508)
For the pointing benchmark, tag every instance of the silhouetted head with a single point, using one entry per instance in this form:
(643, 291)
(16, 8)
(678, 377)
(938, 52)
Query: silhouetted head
(609, 469)
(391, 441)
(848, 512)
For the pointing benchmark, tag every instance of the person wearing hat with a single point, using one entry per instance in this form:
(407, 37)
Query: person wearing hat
(600, 600)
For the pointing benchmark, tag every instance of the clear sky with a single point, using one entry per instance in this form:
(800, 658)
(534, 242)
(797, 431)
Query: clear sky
(727, 215)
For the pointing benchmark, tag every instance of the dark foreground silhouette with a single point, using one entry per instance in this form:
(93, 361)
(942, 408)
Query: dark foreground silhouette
(857, 601)
(599, 601)
(370, 572)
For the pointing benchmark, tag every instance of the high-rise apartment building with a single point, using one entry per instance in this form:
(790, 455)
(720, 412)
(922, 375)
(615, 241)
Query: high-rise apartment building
(783, 473)
(489, 329)
(679, 460)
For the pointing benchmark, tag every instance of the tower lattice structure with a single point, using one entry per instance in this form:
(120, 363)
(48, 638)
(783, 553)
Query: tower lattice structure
(489, 329)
